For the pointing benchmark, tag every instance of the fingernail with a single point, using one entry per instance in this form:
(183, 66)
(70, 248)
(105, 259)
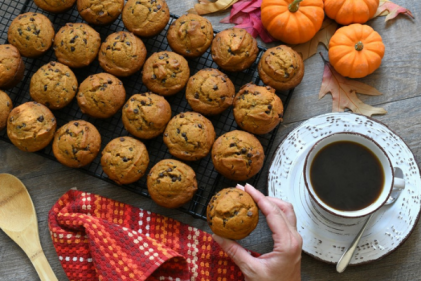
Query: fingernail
(239, 186)
(249, 185)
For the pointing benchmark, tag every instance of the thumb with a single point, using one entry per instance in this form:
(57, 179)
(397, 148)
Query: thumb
(237, 253)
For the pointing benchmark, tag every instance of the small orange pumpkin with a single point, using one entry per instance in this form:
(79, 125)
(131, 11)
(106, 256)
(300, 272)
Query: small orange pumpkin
(356, 50)
(292, 21)
(346, 12)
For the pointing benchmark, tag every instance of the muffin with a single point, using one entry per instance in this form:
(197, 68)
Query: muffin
(189, 136)
(99, 11)
(76, 144)
(12, 67)
(238, 155)
(125, 160)
(165, 73)
(76, 44)
(232, 213)
(55, 6)
(190, 35)
(257, 109)
(210, 91)
(145, 18)
(122, 54)
(234, 49)
(54, 85)
(146, 115)
(171, 183)
(31, 126)
(101, 95)
(6, 106)
(31, 33)
(281, 68)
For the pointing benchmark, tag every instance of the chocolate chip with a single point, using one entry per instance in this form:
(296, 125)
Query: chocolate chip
(142, 102)
(40, 119)
(136, 111)
(174, 179)
(196, 95)
(122, 139)
(153, 76)
(169, 170)
(72, 49)
(128, 43)
(223, 98)
(161, 175)
(108, 47)
(232, 144)
(101, 13)
(249, 155)
(32, 19)
(109, 81)
(131, 148)
(243, 150)
(158, 6)
(249, 213)
(166, 135)
(178, 130)
(215, 87)
(85, 41)
(125, 159)
(267, 112)
(269, 106)
(76, 124)
(182, 115)
(280, 115)
(45, 87)
(200, 126)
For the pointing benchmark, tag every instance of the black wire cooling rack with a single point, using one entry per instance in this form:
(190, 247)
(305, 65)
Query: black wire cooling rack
(209, 181)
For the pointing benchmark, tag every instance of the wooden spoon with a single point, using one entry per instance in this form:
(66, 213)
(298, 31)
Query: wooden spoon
(19, 221)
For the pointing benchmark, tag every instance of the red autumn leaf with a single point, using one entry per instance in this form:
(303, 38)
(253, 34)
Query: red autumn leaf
(391, 10)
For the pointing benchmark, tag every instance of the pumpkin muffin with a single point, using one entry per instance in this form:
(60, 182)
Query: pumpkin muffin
(165, 73)
(171, 183)
(54, 85)
(234, 49)
(76, 44)
(145, 18)
(125, 160)
(31, 126)
(12, 67)
(189, 136)
(100, 11)
(210, 91)
(238, 155)
(6, 106)
(122, 54)
(190, 35)
(257, 109)
(55, 6)
(76, 144)
(31, 33)
(101, 95)
(281, 68)
(232, 213)
(146, 115)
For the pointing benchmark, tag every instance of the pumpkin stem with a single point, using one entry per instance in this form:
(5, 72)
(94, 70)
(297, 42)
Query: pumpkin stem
(293, 7)
(359, 46)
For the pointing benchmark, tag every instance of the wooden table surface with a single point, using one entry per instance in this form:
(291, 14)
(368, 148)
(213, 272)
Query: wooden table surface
(399, 78)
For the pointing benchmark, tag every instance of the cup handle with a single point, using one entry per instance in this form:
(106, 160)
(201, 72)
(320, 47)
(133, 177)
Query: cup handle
(398, 184)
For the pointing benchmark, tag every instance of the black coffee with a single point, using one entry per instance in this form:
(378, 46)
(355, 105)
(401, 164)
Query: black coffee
(347, 176)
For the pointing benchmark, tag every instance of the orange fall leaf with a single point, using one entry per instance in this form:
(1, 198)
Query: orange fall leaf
(391, 10)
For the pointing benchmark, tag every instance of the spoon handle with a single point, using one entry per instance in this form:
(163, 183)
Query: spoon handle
(43, 268)
(346, 257)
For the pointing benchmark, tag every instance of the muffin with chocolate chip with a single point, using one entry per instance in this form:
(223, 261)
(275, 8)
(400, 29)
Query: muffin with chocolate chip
(31, 126)
(76, 44)
(171, 183)
(190, 35)
(210, 91)
(100, 11)
(234, 49)
(232, 213)
(165, 73)
(55, 6)
(125, 160)
(12, 67)
(31, 33)
(238, 155)
(122, 54)
(76, 144)
(6, 106)
(145, 18)
(281, 68)
(54, 85)
(257, 109)
(146, 115)
(189, 136)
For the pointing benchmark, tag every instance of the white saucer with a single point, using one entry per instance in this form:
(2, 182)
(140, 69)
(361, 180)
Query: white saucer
(325, 235)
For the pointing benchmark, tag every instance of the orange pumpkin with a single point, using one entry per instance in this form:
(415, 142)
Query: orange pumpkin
(292, 21)
(346, 12)
(356, 50)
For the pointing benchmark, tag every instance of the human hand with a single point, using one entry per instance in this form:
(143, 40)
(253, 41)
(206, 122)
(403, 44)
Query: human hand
(284, 262)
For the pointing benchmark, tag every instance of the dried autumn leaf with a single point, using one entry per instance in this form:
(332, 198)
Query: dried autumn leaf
(206, 7)
(391, 10)
(344, 92)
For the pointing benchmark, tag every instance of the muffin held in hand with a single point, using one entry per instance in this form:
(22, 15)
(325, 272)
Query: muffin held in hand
(171, 183)
(76, 144)
(190, 35)
(54, 85)
(100, 11)
(31, 33)
(210, 91)
(12, 67)
(55, 6)
(122, 54)
(125, 160)
(165, 73)
(76, 44)
(238, 155)
(189, 136)
(257, 109)
(101, 95)
(232, 213)
(6, 106)
(145, 18)
(146, 115)
(31, 126)
(281, 68)
(234, 49)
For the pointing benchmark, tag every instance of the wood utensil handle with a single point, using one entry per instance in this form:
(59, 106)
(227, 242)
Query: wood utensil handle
(43, 268)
